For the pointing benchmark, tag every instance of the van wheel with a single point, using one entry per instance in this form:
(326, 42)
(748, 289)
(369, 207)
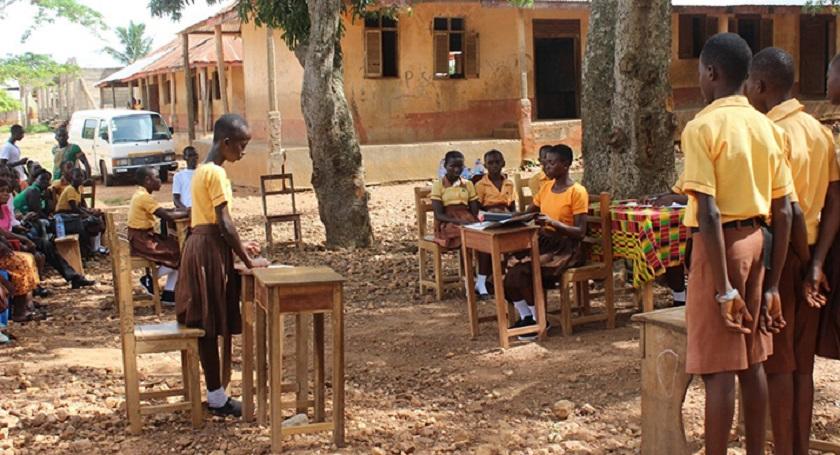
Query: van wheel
(107, 180)
(163, 173)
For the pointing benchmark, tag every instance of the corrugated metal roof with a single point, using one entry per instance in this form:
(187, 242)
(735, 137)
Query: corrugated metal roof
(129, 70)
(202, 53)
(228, 17)
(726, 3)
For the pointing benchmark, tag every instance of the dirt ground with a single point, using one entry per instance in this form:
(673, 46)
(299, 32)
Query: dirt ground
(416, 383)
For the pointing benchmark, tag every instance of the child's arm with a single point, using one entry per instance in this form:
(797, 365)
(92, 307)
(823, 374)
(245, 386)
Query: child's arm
(176, 199)
(816, 285)
(474, 207)
(799, 234)
(230, 235)
(170, 215)
(734, 311)
(576, 231)
(782, 215)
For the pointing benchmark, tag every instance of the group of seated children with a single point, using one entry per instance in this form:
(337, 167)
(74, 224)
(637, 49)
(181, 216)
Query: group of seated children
(561, 203)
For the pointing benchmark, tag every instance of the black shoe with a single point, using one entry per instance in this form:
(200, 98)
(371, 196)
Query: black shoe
(483, 297)
(167, 297)
(40, 292)
(81, 282)
(524, 322)
(146, 282)
(231, 408)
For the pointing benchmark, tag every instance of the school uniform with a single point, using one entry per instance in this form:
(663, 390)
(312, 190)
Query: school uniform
(456, 198)
(492, 198)
(813, 166)
(207, 295)
(142, 238)
(736, 155)
(537, 181)
(557, 253)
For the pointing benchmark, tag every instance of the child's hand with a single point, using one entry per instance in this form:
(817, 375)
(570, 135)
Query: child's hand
(735, 315)
(260, 263)
(252, 248)
(544, 220)
(816, 287)
(771, 312)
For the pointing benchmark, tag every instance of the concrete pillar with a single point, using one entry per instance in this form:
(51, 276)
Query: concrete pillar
(526, 134)
(185, 44)
(220, 67)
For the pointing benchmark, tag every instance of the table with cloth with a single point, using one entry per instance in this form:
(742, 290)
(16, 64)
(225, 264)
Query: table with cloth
(651, 239)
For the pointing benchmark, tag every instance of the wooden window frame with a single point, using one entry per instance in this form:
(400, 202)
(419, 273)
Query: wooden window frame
(468, 40)
(377, 30)
(709, 27)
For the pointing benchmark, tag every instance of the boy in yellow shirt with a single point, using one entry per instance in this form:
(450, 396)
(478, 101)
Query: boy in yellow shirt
(89, 223)
(736, 177)
(495, 194)
(813, 166)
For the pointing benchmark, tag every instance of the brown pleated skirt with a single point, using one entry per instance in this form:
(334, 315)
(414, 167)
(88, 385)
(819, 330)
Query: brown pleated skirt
(207, 294)
(147, 244)
(448, 235)
(828, 344)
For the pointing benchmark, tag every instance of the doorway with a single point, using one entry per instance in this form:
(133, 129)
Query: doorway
(557, 69)
(816, 47)
(154, 98)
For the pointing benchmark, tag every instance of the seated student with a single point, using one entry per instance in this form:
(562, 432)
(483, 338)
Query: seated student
(57, 186)
(495, 194)
(34, 201)
(181, 183)
(65, 151)
(563, 205)
(454, 202)
(145, 242)
(539, 179)
(675, 276)
(24, 277)
(88, 224)
(737, 179)
(208, 293)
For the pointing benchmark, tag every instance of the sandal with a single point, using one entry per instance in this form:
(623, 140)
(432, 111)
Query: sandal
(41, 292)
(30, 317)
(103, 251)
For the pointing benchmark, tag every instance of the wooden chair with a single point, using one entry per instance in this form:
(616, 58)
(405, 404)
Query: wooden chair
(134, 263)
(89, 194)
(68, 248)
(287, 186)
(426, 245)
(599, 236)
(520, 185)
(151, 339)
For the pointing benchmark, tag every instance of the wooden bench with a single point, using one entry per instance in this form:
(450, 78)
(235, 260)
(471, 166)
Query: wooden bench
(69, 249)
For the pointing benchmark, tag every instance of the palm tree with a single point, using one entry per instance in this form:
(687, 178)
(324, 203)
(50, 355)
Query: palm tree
(135, 44)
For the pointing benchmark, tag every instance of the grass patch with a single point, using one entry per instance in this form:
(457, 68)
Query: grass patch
(34, 128)
(116, 201)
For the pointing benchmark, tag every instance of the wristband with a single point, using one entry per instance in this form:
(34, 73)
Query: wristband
(727, 296)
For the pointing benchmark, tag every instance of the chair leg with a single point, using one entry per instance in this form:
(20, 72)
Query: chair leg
(132, 392)
(438, 275)
(609, 301)
(566, 308)
(298, 234)
(156, 290)
(269, 240)
(185, 374)
(194, 386)
(421, 260)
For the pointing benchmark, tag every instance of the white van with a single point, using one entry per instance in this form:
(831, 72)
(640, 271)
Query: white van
(118, 141)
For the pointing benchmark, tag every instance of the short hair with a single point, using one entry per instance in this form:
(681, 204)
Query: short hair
(5, 183)
(142, 173)
(775, 67)
(77, 171)
(228, 125)
(564, 152)
(188, 149)
(16, 129)
(41, 172)
(61, 129)
(452, 155)
(544, 150)
(730, 55)
(493, 152)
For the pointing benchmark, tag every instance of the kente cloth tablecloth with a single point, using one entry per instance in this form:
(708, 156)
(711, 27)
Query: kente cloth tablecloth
(651, 238)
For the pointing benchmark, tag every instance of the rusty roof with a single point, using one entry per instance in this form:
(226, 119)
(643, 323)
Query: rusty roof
(227, 17)
(202, 53)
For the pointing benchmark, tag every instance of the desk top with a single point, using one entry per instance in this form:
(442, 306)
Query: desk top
(287, 276)
(501, 230)
(671, 318)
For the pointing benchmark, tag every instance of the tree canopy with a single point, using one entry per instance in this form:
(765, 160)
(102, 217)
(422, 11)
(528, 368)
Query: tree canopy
(7, 103)
(48, 11)
(33, 70)
(135, 44)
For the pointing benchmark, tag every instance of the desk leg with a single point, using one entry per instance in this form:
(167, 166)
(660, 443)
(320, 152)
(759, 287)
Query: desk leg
(472, 305)
(318, 323)
(338, 367)
(539, 293)
(499, 289)
(302, 361)
(262, 368)
(276, 335)
(247, 349)
(227, 353)
(647, 297)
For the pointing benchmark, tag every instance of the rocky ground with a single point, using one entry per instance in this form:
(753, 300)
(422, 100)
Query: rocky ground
(416, 383)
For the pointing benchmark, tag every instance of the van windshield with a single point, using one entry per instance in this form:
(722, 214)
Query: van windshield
(140, 127)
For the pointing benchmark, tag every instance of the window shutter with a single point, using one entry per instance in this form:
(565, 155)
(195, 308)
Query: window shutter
(732, 25)
(373, 53)
(832, 33)
(711, 28)
(766, 30)
(685, 34)
(441, 44)
(471, 54)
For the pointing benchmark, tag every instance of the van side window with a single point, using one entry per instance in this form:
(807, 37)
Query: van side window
(89, 129)
(103, 129)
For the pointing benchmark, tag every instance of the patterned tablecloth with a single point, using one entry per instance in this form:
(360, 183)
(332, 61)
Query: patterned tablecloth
(651, 238)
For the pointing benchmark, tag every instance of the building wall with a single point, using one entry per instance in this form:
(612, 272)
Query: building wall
(414, 107)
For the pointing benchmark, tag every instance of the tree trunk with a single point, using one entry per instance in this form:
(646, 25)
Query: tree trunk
(598, 86)
(24, 102)
(337, 174)
(642, 160)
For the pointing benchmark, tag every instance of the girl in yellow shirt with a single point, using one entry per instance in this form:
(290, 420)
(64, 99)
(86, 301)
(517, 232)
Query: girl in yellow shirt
(454, 201)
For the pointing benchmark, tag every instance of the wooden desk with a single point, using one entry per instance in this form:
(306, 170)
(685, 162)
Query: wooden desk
(664, 383)
(300, 291)
(497, 242)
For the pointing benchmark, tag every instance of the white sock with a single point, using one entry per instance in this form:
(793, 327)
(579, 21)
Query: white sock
(523, 309)
(533, 310)
(216, 398)
(171, 281)
(481, 284)
(678, 296)
(97, 242)
(164, 270)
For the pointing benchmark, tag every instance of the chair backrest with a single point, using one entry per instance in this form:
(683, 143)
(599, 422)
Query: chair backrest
(114, 243)
(423, 206)
(519, 184)
(599, 227)
(122, 291)
(277, 185)
(89, 194)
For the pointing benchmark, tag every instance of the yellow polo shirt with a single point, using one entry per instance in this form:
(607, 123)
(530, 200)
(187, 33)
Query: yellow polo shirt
(736, 155)
(210, 189)
(69, 194)
(461, 192)
(141, 212)
(489, 195)
(813, 161)
(563, 207)
(536, 182)
(678, 186)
